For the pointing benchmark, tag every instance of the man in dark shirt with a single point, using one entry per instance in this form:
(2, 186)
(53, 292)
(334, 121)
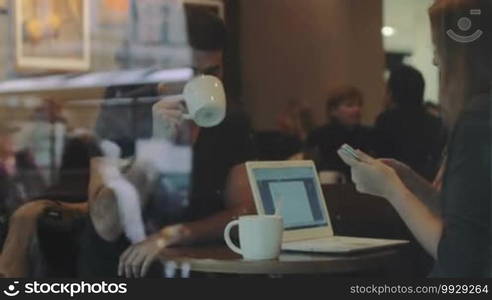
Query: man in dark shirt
(407, 132)
(344, 113)
(220, 187)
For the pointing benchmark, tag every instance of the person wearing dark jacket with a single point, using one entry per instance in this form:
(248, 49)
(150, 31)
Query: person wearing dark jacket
(20, 178)
(406, 131)
(344, 112)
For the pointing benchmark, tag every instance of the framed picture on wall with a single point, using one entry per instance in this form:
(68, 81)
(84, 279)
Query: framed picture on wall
(111, 13)
(52, 35)
(4, 6)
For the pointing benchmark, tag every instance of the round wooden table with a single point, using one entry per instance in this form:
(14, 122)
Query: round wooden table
(219, 259)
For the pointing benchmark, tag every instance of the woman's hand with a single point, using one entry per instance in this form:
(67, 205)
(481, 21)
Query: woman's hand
(408, 176)
(404, 171)
(419, 186)
(372, 176)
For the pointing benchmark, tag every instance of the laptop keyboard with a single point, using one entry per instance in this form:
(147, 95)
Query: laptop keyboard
(337, 244)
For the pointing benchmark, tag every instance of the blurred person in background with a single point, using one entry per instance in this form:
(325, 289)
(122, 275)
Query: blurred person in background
(20, 179)
(344, 114)
(52, 219)
(433, 109)
(74, 173)
(296, 119)
(44, 135)
(458, 235)
(294, 123)
(50, 111)
(406, 131)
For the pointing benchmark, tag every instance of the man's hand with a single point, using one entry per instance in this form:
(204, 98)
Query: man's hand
(137, 259)
(167, 118)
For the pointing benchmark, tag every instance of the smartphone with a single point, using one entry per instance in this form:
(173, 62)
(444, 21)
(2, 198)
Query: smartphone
(350, 151)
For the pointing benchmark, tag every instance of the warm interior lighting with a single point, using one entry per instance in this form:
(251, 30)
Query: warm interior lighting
(388, 31)
(118, 6)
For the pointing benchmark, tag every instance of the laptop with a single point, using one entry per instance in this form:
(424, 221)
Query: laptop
(292, 189)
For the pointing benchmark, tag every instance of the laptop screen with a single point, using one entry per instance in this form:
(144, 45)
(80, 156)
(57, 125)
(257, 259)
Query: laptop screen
(295, 191)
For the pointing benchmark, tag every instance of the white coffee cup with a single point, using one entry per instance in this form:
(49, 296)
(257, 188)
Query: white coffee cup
(260, 237)
(206, 101)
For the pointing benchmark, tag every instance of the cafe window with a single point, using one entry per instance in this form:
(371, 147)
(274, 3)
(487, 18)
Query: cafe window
(139, 126)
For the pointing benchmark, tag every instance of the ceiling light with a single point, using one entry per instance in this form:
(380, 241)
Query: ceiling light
(388, 31)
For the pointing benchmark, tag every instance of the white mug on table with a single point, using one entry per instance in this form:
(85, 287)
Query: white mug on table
(260, 236)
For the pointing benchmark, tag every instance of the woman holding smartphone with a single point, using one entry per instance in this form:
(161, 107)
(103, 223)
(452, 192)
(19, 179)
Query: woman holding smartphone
(458, 234)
